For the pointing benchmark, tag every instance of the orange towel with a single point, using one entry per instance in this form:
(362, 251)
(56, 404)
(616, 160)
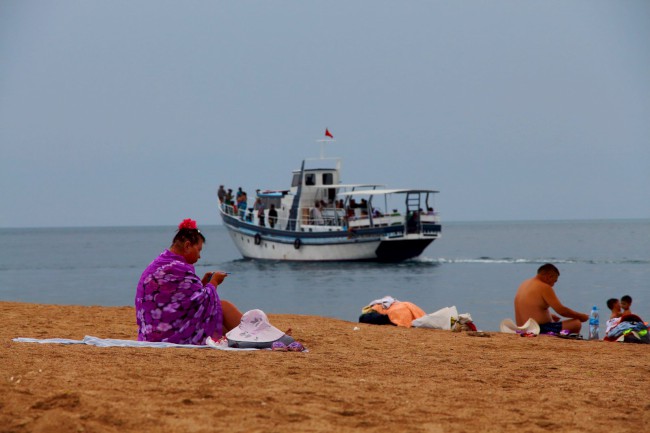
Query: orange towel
(401, 313)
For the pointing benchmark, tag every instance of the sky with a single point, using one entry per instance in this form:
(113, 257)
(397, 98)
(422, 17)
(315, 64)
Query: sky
(127, 113)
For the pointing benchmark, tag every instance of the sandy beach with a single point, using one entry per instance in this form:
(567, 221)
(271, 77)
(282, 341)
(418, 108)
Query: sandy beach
(374, 379)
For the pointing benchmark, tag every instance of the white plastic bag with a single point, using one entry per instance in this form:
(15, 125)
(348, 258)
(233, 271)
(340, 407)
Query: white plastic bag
(440, 319)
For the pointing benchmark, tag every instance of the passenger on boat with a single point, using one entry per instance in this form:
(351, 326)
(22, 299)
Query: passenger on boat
(173, 304)
(242, 202)
(364, 204)
(221, 193)
(273, 216)
(259, 207)
(412, 222)
(316, 215)
(228, 199)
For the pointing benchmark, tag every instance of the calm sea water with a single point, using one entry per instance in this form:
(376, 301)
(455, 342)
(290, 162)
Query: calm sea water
(475, 266)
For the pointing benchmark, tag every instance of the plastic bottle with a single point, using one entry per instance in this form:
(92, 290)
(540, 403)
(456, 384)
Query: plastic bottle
(593, 324)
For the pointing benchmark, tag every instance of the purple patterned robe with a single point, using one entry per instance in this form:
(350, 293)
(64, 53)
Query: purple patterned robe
(172, 305)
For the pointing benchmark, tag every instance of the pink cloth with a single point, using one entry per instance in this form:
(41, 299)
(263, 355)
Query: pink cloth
(172, 305)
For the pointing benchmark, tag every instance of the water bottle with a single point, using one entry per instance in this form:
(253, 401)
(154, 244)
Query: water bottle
(593, 324)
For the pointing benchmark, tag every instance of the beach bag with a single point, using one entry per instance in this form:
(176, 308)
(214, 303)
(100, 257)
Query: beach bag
(255, 332)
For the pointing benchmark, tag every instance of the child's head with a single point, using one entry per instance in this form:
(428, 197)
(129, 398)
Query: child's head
(614, 305)
(626, 302)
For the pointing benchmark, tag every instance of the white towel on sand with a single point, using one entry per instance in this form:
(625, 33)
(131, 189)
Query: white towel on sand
(112, 342)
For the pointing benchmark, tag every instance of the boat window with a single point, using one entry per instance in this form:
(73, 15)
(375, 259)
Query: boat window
(310, 179)
(328, 178)
(296, 179)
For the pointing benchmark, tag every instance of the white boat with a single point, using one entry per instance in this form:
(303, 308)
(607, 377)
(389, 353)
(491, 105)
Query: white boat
(321, 219)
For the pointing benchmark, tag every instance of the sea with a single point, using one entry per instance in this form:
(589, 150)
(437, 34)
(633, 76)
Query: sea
(474, 266)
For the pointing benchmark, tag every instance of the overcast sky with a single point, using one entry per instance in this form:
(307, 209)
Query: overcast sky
(132, 113)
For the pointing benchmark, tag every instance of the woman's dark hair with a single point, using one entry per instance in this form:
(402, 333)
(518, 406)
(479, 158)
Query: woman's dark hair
(192, 235)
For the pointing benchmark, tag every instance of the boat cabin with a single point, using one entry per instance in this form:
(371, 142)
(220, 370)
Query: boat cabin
(315, 184)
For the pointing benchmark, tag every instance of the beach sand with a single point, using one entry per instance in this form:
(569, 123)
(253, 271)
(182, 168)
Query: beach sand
(375, 379)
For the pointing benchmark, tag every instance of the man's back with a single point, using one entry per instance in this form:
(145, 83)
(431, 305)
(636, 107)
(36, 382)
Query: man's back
(530, 302)
(535, 297)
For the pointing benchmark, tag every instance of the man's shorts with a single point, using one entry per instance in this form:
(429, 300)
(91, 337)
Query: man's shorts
(554, 327)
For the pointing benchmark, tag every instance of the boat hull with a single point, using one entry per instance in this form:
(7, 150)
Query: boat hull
(397, 250)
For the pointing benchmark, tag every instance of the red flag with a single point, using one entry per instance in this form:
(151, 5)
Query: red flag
(328, 133)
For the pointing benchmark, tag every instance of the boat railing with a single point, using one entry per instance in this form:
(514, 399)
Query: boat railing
(335, 219)
(365, 221)
(228, 209)
(430, 218)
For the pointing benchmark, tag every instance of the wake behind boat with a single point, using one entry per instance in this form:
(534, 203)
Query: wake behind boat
(320, 219)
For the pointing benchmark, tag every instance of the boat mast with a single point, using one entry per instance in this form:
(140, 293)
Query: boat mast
(322, 152)
(322, 146)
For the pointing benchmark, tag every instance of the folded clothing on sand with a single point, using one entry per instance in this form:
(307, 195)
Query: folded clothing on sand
(390, 311)
(629, 328)
(395, 312)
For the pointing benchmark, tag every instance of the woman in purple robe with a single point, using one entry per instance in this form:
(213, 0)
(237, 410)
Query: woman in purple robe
(173, 304)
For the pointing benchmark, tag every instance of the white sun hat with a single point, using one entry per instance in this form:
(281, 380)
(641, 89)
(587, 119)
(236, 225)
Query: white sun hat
(510, 327)
(255, 328)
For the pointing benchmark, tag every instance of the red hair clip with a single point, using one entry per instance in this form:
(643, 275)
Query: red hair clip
(188, 223)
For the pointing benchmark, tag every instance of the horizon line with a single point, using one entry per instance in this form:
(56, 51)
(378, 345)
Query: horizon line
(458, 221)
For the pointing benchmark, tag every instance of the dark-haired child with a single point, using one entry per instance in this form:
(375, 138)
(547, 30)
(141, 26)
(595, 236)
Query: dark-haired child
(615, 306)
(626, 304)
(615, 318)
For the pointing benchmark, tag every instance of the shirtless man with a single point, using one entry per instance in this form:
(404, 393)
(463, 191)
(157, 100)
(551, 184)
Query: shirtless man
(536, 295)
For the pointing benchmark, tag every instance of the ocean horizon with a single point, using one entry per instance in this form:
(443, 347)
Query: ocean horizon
(444, 222)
